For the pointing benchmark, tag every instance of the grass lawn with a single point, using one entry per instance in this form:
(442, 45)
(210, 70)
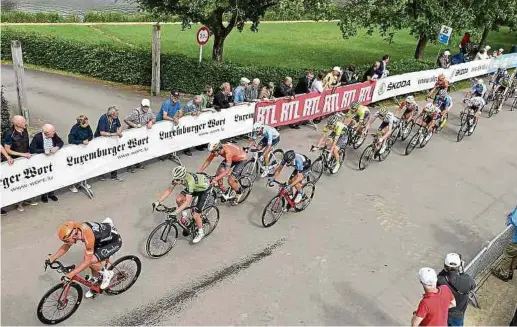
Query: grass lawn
(294, 45)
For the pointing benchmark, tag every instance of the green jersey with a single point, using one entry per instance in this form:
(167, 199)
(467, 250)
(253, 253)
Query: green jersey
(195, 183)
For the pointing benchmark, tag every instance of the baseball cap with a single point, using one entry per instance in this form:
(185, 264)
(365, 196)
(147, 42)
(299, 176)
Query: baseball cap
(447, 53)
(501, 50)
(175, 93)
(428, 276)
(488, 47)
(336, 69)
(244, 80)
(146, 103)
(452, 260)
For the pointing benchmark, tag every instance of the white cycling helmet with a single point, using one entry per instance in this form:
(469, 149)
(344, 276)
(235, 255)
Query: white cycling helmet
(257, 126)
(383, 112)
(179, 173)
(428, 107)
(411, 100)
(214, 146)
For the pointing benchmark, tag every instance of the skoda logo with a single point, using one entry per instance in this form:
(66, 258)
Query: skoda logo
(382, 88)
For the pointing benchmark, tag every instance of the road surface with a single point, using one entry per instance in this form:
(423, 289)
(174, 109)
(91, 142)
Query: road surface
(351, 258)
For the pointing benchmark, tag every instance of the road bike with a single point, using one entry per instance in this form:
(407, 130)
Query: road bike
(514, 105)
(494, 108)
(228, 195)
(403, 129)
(62, 300)
(373, 150)
(324, 161)
(284, 202)
(420, 139)
(256, 165)
(489, 96)
(468, 123)
(163, 238)
(356, 140)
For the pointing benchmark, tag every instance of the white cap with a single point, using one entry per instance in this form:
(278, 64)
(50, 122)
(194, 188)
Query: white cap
(487, 48)
(501, 50)
(146, 103)
(428, 276)
(336, 69)
(452, 260)
(244, 80)
(447, 53)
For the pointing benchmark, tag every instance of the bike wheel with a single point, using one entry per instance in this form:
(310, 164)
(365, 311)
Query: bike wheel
(278, 155)
(407, 131)
(426, 139)
(210, 218)
(463, 130)
(472, 126)
(443, 123)
(366, 157)
(387, 151)
(308, 193)
(251, 169)
(275, 208)
(127, 270)
(164, 236)
(493, 109)
(64, 308)
(317, 168)
(412, 144)
(514, 105)
(359, 141)
(246, 186)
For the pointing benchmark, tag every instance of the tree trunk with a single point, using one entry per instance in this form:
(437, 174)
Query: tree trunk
(482, 42)
(422, 41)
(218, 48)
(220, 33)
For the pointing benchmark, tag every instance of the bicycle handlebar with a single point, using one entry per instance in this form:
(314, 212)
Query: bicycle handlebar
(272, 182)
(163, 208)
(57, 265)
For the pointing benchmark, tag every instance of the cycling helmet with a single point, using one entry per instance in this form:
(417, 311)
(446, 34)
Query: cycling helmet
(452, 260)
(383, 112)
(65, 230)
(505, 81)
(289, 156)
(441, 77)
(410, 100)
(442, 93)
(257, 126)
(332, 120)
(214, 146)
(428, 107)
(354, 106)
(179, 173)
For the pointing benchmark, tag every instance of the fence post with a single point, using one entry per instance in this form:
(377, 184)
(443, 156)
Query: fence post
(155, 81)
(19, 74)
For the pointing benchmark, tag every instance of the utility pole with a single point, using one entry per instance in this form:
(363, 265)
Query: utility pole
(155, 79)
(19, 74)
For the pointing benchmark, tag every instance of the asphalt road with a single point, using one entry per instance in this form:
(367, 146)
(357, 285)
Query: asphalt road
(351, 258)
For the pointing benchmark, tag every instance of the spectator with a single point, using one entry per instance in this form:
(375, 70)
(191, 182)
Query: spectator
(460, 284)
(192, 108)
(267, 91)
(383, 67)
(208, 97)
(494, 54)
(252, 92)
(223, 98)
(500, 52)
(487, 49)
(481, 55)
(16, 144)
(239, 94)
(433, 308)
(304, 83)
(349, 76)
(109, 126)
(285, 89)
(81, 133)
(372, 73)
(510, 252)
(332, 79)
(10, 161)
(444, 60)
(317, 85)
(48, 142)
(465, 43)
(169, 111)
(140, 116)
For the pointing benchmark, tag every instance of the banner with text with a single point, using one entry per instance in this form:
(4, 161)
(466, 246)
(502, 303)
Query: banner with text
(40, 174)
(505, 61)
(308, 106)
(468, 70)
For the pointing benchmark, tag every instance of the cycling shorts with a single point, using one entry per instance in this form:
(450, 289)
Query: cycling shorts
(237, 166)
(305, 171)
(201, 198)
(264, 141)
(105, 250)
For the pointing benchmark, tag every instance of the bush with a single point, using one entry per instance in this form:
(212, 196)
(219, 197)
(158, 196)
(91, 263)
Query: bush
(110, 17)
(132, 65)
(6, 116)
(39, 17)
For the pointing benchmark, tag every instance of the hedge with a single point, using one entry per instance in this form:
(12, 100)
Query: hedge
(132, 65)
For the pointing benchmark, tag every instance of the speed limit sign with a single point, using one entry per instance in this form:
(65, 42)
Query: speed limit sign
(203, 35)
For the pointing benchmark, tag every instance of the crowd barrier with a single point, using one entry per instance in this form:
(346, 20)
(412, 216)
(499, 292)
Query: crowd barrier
(40, 174)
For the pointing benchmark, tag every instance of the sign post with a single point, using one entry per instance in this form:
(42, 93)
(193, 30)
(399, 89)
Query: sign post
(202, 37)
(445, 34)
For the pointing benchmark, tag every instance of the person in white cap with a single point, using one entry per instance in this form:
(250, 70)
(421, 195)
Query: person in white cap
(141, 116)
(460, 284)
(239, 94)
(434, 306)
(500, 52)
(444, 60)
(332, 79)
(482, 55)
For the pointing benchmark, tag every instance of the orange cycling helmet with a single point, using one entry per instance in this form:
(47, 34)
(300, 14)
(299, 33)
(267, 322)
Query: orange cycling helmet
(441, 77)
(65, 230)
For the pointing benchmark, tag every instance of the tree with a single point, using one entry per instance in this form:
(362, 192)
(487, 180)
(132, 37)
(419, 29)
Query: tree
(6, 116)
(490, 15)
(423, 18)
(213, 14)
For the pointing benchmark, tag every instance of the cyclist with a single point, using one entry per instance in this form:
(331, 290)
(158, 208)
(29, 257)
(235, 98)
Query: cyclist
(101, 241)
(476, 104)
(302, 166)
(196, 186)
(232, 165)
(478, 90)
(430, 116)
(443, 101)
(336, 139)
(441, 83)
(409, 109)
(358, 115)
(389, 121)
(269, 137)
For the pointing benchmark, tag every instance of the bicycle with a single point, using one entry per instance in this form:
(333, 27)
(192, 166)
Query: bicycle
(489, 96)
(325, 161)
(372, 151)
(216, 194)
(514, 105)
(468, 124)
(66, 304)
(167, 231)
(421, 138)
(354, 139)
(258, 164)
(494, 108)
(283, 202)
(403, 129)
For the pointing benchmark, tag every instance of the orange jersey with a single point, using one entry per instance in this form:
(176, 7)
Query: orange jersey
(231, 153)
(88, 235)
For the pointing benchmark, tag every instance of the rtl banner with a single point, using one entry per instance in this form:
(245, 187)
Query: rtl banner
(308, 106)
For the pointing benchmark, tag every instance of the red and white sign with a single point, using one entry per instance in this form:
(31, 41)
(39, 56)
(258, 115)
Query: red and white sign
(203, 35)
(308, 106)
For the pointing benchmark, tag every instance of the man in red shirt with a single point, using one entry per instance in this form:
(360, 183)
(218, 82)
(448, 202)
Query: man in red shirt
(433, 309)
